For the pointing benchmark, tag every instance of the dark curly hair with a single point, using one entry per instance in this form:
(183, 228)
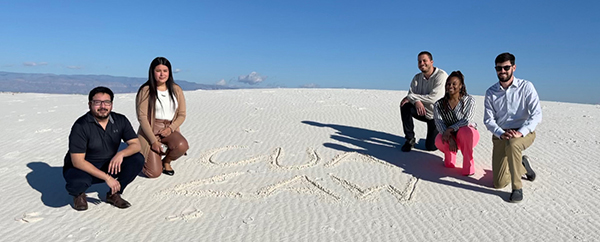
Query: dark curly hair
(463, 89)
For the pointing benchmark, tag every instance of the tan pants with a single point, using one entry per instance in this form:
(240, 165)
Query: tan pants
(177, 146)
(507, 160)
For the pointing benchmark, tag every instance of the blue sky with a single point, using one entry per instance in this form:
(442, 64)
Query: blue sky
(331, 44)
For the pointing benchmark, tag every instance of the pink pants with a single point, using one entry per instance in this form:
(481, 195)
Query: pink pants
(466, 139)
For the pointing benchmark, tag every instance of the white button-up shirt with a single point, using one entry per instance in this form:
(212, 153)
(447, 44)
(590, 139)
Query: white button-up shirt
(516, 107)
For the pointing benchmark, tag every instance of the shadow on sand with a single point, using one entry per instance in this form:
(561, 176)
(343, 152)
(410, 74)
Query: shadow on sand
(420, 164)
(50, 183)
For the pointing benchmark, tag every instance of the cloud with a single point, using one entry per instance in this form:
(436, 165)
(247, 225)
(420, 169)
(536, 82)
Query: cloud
(176, 70)
(75, 67)
(310, 85)
(222, 82)
(35, 63)
(252, 79)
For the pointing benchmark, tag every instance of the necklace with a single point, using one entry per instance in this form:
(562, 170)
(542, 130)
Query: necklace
(163, 93)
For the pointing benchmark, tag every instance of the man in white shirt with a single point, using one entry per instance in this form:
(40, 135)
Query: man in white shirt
(425, 89)
(512, 112)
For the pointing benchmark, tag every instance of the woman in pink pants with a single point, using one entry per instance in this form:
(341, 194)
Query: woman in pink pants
(453, 115)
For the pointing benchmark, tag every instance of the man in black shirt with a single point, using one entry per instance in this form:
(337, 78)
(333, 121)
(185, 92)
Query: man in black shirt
(93, 158)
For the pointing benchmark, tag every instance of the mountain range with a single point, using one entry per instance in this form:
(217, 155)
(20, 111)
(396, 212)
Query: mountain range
(80, 84)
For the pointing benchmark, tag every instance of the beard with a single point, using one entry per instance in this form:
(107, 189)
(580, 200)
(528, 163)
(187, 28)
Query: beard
(508, 77)
(100, 116)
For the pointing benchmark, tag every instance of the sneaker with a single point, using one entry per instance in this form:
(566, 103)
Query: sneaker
(408, 145)
(516, 196)
(117, 201)
(80, 202)
(530, 173)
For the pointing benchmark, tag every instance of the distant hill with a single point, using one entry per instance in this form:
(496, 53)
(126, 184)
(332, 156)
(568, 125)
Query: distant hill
(80, 84)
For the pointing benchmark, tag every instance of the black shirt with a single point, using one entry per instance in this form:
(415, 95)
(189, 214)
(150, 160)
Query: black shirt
(99, 145)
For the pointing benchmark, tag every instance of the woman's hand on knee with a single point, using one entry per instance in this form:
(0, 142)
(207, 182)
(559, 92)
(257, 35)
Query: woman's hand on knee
(452, 145)
(166, 132)
(447, 135)
(157, 147)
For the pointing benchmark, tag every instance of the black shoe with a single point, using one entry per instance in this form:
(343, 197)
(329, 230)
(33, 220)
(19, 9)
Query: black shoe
(80, 202)
(117, 201)
(167, 172)
(431, 148)
(408, 145)
(530, 173)
(516, 196)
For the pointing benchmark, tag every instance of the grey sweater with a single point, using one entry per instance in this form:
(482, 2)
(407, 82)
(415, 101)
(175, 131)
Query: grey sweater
(428, 91)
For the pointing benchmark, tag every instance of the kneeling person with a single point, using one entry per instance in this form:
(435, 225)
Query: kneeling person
(512, 113)
(425, 89)
(93, 158)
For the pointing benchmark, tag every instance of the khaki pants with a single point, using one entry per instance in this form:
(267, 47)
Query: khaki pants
(507, 160)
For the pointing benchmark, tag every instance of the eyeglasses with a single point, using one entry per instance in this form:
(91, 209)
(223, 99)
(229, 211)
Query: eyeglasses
(506, 68)
(105, 102)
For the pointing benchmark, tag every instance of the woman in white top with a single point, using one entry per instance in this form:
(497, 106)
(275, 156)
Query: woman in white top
(453, 115)
(160, 107)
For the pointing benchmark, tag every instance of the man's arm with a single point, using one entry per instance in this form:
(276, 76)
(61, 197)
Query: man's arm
(133, 146)
(535, 111)
(437, 90)
(411, 91)
(488, 116)
(80, 163)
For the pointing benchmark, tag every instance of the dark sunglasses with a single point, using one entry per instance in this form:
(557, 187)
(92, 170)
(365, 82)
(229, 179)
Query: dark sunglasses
(506, 68)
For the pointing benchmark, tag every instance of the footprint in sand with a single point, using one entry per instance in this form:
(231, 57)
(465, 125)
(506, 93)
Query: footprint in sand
(248, 220)
(186, 216)
(30, 217)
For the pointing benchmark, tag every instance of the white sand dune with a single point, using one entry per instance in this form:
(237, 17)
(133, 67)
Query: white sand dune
(299, 165)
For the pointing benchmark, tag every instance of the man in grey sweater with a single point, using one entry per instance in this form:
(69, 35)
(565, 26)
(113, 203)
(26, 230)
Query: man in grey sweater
(425, 89)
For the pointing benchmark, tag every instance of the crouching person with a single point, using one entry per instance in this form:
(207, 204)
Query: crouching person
(93, 158)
